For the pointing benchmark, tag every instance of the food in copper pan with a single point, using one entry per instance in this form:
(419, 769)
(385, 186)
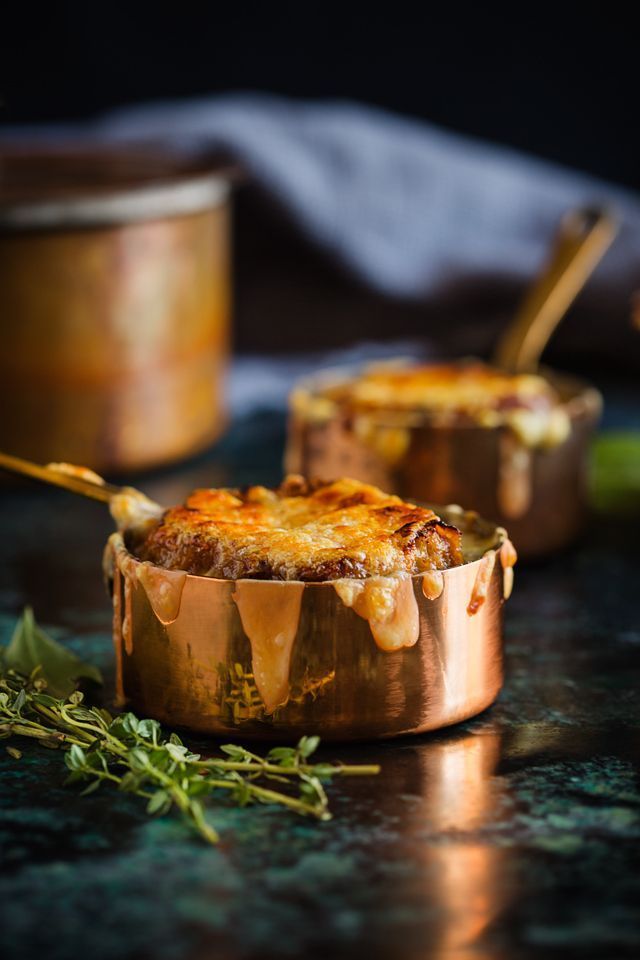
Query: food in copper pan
(305, 530)
(450, 394)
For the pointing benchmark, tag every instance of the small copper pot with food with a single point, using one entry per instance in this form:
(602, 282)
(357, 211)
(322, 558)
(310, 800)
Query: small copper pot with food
(510, 438)
(515, 446)
(331, 607)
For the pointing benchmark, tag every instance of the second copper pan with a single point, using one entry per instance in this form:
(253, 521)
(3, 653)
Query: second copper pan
(539, 494)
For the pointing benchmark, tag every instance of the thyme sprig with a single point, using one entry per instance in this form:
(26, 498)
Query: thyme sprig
(135, 756)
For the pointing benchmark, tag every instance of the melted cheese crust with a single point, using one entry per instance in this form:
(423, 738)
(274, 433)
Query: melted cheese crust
(470, 392)
(302, 531)
(468, 387)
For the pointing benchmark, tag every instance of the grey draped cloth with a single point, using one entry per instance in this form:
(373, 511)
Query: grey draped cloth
(406, 206)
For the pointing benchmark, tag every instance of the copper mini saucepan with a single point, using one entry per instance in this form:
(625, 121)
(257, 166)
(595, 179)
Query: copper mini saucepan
(276, 659)
(537, 490)
(539, 493)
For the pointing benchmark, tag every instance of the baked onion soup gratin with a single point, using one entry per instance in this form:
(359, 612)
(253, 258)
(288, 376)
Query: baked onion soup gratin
(264, 550)
(513, 445)
(307, 531)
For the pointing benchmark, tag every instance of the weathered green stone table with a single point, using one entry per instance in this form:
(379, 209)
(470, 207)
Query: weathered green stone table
(512, 836)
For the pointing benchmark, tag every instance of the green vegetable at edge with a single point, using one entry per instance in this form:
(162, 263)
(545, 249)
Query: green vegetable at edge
(615, 472)
(133, 754)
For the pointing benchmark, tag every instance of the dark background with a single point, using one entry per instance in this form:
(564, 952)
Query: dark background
(559, 82)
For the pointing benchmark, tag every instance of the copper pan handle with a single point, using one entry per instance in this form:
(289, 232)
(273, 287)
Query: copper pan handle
(75, 479)
(582, 239)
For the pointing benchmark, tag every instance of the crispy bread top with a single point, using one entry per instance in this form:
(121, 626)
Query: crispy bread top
(309, 531)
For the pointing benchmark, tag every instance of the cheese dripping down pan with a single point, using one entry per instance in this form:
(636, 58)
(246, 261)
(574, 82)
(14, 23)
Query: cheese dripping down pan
(349, 658)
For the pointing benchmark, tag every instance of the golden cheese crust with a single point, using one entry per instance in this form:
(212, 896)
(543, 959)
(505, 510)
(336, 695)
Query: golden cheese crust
(468, 392)
(309, 531)
(467, 387)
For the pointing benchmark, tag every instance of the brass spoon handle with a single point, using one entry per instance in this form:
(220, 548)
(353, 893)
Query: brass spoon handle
(76, 483)
(583, 237)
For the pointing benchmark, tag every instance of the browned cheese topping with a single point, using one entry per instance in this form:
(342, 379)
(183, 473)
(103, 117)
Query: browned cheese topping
(308, 531)
(452, 393)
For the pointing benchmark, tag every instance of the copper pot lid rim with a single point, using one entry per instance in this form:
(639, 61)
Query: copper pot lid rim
(65, 185)
(121, 207)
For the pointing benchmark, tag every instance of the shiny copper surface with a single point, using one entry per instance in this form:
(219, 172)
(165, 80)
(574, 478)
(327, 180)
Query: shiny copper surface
(463, 464)
(459, 792)
(115, 307)
(197, 672)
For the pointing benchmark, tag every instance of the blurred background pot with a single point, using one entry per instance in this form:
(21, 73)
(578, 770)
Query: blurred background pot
(114, 299)
(539, 494)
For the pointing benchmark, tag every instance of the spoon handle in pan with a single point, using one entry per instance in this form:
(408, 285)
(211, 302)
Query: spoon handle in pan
(583, 237)
(75, 479)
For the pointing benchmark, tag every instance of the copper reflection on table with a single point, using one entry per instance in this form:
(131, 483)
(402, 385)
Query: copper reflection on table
(462, 873)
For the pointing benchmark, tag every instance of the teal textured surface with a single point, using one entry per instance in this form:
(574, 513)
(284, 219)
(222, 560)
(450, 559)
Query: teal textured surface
(512, 835)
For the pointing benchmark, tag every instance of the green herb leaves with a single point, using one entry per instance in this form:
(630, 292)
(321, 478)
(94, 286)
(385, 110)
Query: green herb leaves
(134, 755)
(31, 648)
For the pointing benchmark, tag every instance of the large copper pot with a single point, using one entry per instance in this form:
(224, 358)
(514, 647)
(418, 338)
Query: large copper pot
(114, 299)
(539, 494)
(189, 654)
